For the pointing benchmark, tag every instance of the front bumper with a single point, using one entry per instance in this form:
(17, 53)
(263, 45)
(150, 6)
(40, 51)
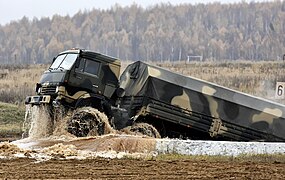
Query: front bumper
(41, 99)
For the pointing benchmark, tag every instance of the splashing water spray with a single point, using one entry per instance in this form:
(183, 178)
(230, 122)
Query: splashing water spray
(38, 122)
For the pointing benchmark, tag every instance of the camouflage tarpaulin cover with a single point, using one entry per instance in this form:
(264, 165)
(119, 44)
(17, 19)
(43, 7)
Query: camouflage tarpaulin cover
(141, 79)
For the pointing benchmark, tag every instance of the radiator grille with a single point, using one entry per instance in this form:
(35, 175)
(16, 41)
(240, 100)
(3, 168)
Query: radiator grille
(48, 90)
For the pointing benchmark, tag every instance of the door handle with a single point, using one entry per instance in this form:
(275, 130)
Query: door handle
(94, 85)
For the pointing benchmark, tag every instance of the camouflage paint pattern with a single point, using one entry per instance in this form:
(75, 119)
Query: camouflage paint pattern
(71, 85)
(228, 108)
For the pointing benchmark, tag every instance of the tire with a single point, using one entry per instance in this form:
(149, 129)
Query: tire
(144, 129)
(88, 121)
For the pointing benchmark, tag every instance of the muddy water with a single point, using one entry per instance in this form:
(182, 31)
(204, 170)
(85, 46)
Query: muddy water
(8, 149)
(109, 146)
(37, 123)
(49, 139)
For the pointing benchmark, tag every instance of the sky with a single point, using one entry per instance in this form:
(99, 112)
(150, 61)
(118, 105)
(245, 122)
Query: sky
(13, 10)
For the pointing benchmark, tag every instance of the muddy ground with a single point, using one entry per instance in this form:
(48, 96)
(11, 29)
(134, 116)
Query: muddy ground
(100, 168)
(147, 167)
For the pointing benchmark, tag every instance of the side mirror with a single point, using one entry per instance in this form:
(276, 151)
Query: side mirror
(38, 86)
(53, 59)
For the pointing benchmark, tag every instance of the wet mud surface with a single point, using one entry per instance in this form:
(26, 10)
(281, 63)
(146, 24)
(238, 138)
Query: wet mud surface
(100, 168)
(116, 143)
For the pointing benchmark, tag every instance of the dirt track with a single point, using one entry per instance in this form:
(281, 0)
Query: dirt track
(139, 169)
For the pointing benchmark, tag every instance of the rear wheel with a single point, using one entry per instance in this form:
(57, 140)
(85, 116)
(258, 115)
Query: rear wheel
(88, 121)
(144, 129)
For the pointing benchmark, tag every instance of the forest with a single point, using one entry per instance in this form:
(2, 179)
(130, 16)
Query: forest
(164, 32)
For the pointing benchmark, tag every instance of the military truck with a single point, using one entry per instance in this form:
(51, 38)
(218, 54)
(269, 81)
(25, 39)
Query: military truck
(152, 101)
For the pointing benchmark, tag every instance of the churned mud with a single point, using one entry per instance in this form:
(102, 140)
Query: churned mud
(111, 142)
(100, 168)
(107, 146)
(8, 149)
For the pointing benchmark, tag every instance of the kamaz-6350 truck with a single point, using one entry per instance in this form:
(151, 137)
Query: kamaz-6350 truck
(152, 100)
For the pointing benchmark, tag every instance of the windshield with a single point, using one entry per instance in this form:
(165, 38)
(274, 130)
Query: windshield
(64, 61)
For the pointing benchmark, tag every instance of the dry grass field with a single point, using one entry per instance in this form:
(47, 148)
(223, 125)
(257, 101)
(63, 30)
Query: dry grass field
(18, 81)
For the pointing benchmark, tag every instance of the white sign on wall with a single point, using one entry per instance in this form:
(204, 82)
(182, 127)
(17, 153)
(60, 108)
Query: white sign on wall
(280, 90)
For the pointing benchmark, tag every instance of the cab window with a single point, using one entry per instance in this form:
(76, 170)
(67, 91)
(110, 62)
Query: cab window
(88, 66)
(64, 61)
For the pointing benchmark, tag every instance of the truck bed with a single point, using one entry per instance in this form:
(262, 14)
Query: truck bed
(200, 106)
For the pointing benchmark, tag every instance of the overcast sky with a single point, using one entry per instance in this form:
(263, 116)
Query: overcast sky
(16, 9)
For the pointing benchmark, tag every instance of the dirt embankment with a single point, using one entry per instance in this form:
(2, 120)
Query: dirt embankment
(139, 169)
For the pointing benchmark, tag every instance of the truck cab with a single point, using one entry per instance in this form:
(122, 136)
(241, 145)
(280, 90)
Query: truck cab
(75, 75)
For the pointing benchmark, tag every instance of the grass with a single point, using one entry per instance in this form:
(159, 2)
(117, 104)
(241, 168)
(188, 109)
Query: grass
(19, 82)
(11, 120)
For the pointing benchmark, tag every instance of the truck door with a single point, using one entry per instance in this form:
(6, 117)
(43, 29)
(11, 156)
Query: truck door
(87, 75)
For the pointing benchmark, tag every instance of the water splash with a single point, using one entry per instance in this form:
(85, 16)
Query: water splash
(48, 138)
(38, 122)
(106, 146)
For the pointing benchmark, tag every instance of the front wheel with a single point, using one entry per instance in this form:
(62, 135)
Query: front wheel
(88, 121)
(144, 129)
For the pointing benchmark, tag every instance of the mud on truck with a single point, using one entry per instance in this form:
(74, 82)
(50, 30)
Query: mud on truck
(152, 101)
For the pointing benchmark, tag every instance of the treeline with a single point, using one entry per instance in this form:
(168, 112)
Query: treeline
(218, 32)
